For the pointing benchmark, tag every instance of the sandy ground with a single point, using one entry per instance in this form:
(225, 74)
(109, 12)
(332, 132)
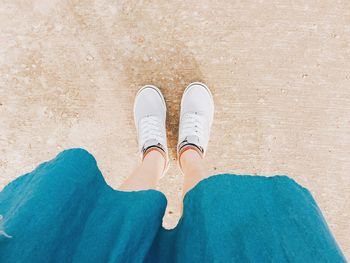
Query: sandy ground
(279, 71)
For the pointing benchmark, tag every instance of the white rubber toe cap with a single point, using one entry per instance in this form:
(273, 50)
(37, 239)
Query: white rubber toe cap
(149, 101)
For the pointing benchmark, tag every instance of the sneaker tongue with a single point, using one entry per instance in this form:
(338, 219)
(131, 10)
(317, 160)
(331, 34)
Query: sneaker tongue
(152, 143)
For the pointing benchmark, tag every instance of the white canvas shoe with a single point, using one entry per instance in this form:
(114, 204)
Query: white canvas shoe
(196, 117)
(149, 117)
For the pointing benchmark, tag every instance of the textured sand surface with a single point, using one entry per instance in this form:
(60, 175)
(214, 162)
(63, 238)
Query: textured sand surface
(279, 71)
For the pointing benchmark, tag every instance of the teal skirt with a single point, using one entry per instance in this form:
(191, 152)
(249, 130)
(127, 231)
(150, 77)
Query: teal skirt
(64, 211)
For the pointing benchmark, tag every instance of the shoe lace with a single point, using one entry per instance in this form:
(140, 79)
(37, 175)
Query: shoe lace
(192, 124)
(151, 128)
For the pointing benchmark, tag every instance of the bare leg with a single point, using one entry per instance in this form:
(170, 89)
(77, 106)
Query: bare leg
(193, 167)
(147, 174)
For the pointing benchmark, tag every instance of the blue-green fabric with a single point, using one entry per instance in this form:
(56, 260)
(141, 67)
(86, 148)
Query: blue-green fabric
(64, 211)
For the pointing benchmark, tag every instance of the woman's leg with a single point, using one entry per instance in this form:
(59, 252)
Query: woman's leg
(193, 166)
(147, 174)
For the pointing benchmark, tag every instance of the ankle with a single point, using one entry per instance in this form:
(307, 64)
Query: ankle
(188, 155)
(157, 155)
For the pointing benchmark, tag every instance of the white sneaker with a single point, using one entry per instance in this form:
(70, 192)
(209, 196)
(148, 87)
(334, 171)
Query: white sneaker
(196, 117)
(149, 117)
